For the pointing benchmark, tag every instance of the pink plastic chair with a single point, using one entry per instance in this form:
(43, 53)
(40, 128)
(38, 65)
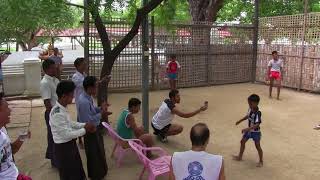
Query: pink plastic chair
(118, 150)
(156, 167)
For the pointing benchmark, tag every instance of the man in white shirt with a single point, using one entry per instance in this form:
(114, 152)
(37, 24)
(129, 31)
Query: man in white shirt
(81, 66)
(48, 87)
(197, 163)
(8, 169)
(274, 71)
(161, 121)
(65, 131)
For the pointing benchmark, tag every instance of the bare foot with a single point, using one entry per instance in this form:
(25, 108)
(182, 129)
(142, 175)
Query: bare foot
(270, 97)
(278, 99)
(236, 158)
(260, 164)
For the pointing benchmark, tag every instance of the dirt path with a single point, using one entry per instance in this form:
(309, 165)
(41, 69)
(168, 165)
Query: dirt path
(291, 147)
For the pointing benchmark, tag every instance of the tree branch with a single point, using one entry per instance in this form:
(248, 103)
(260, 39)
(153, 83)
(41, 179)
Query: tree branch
(75, 5)
(101, 28)
(141, 14)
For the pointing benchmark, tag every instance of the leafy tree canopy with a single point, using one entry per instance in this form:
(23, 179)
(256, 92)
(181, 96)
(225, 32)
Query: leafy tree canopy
(21, 20)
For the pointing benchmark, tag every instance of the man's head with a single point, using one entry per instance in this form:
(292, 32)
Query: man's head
(49, 67)
(275, 55)
(174, 96)
(199, 135)
(253, 101)
(173, 57)
(65, 90)
(80, 64)
(90, 85)
(5, 111)
(56, 51)
(134, 105)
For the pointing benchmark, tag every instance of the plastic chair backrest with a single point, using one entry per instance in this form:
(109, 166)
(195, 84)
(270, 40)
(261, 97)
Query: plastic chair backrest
(112, 133)
(139, 150)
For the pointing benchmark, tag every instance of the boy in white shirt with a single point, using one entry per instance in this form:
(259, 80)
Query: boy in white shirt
(64, 132)
(8, 169)
(274, 71)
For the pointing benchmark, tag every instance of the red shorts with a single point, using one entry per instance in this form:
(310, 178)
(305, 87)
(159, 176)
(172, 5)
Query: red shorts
(275, 75)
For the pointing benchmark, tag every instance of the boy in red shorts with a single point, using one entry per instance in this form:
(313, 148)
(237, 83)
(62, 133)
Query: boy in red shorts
(172, 70)
(275, 67)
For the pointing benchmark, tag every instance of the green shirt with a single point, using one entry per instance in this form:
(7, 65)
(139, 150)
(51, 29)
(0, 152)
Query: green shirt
(122, 128)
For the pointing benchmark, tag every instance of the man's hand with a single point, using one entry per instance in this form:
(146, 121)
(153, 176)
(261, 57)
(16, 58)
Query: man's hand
(317, 127)
(237, 123)
(89, 127)
(205, 107)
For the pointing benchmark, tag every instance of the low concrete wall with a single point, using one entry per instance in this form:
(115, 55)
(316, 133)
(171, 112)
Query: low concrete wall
(13, 84)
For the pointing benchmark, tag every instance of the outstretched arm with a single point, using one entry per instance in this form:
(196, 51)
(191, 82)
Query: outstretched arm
(176, 111)
(240, 121)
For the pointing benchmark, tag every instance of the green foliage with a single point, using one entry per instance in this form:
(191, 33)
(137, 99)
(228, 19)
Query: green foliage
(19, 19)
(233, 9)
(168, 11)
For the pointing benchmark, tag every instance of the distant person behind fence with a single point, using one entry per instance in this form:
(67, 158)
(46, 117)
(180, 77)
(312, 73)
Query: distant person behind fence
(57, 58)
(197, 163)
(173, 67)
(275, 67)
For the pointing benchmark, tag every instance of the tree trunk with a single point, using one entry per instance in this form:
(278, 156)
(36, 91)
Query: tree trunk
(205, 10)
(111, 55)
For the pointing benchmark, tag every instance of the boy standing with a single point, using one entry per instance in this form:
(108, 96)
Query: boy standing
(275, 67)
(77, 78)
(172, 71)
(253, 131)
(48, 86)
(64, 132)
(93, 142)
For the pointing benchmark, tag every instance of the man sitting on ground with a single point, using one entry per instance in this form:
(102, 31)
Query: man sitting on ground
(161, 121)
(196, 163)
(127, 127)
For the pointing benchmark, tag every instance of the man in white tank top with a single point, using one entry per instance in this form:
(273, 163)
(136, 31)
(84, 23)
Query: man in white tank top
(197, 164)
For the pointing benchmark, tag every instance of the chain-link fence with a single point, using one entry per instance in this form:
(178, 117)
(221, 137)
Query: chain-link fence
(208, 54)
(296, 38)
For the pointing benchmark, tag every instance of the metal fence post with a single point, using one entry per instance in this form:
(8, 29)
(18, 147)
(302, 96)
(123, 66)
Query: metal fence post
(255, 40)
(152, 52)
(303, 39)
(86, 32)
(145, 72)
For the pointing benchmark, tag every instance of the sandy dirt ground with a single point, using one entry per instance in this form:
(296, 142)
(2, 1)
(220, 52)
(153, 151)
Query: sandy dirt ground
(291, 146)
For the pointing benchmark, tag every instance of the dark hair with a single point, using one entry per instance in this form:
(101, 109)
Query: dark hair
(173, 56)
(47, 63)
(133, 102)
(56, 50)
(254, 98)
(199, 134)
(89, 81)
(274, 52)
(173, 93)
(65, 87)
(78, 61)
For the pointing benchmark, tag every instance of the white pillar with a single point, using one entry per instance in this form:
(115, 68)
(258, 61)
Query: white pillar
(32, 73)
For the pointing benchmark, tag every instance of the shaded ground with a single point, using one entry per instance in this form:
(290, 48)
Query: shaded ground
(291, 146)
